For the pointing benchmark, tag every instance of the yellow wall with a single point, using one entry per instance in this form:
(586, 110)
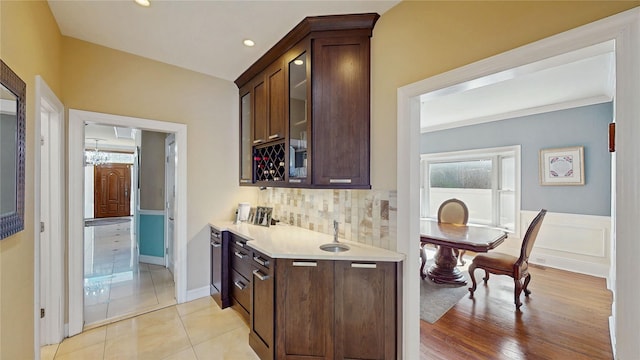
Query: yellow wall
(30, 44)
(104, 80)
(419, 39)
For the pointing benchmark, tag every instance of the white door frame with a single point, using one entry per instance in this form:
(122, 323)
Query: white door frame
(77, 119)
(50, 257)
(624, 28)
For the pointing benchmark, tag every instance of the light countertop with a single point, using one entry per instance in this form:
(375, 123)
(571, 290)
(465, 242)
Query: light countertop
(292, 242)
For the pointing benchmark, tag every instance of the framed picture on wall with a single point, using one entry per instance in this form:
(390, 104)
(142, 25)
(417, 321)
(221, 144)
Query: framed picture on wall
(562, 166)
(263, 216)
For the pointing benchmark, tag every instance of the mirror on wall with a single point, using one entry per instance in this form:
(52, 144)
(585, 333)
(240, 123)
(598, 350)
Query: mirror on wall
(12, 150)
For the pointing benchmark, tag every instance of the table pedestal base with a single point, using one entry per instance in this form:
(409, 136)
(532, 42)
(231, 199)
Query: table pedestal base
(444, 270)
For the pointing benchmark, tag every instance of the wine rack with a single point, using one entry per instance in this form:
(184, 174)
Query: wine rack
(269, 163)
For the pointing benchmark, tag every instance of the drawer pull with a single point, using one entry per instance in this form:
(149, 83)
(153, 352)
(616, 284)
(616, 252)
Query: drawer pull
(339, 181)
(216, 244)
(215, 235)
(260, 275)
(244, 181)
(261, 261)
(239, 285)
(258, 141)
(274, 136)
(241, 244)
(363, 266)
(240, 255)
(305, 263)
(295, 180)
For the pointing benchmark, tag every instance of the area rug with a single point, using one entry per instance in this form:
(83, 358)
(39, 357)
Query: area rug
(436, 299)
(106, 221)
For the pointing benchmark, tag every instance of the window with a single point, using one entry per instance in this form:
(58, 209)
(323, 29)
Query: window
(487, 180)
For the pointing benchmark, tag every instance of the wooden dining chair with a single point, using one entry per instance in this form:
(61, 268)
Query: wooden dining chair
(454, 211)
(505, 264)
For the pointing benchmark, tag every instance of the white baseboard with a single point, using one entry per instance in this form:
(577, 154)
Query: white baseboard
(578, 266)
(156, 260)
(198, 293)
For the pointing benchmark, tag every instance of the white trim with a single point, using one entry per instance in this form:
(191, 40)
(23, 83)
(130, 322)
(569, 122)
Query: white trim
(198, 293)
(155, 260)
(77, 119)
(151, 212)
(55, 253)
(624, 28)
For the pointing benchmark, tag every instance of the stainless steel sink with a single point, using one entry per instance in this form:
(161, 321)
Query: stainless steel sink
(334, 247)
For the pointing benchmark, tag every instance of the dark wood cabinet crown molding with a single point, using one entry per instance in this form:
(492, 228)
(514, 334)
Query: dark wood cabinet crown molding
(309, 26)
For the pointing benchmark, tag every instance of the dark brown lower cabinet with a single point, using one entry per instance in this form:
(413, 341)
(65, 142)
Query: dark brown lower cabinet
(365, 310)
(304, 309)
(261, 335)
(324, 309)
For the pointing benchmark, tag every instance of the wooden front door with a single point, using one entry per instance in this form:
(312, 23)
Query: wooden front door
(112, 190)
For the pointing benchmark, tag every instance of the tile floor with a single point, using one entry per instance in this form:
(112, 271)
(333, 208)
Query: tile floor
(116, 285)
(196, 330)
(117, 288)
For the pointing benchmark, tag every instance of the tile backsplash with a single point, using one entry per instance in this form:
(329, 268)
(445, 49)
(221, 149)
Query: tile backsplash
(365, 216)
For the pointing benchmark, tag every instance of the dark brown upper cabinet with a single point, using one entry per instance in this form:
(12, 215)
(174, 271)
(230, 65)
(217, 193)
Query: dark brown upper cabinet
(310, 100)
(269, 92)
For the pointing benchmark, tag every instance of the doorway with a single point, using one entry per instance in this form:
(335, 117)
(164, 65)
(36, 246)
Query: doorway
(622, 28)
(77, 121)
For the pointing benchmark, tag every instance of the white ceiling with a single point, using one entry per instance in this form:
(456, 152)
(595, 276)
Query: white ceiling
(577, 78)
(206, 36)
(203, 36)
(107, 139)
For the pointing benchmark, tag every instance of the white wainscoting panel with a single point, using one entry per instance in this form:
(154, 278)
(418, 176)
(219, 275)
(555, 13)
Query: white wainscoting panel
(573, 242)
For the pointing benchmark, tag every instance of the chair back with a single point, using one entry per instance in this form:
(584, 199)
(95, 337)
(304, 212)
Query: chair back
(453, 211)
(530, 237)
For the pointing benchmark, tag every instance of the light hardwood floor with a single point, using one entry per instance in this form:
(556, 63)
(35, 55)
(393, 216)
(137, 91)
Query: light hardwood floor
(565, 317)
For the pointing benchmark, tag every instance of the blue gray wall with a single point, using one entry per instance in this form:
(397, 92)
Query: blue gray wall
(584, 126)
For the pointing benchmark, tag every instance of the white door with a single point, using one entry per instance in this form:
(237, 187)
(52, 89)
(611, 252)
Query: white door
(45, 251)
(170, 198)
(49, 204)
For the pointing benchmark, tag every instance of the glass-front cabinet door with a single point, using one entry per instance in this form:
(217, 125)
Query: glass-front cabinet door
(299, 114)
(245, 139)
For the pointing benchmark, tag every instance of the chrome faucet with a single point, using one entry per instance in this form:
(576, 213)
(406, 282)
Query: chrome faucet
(335, 231)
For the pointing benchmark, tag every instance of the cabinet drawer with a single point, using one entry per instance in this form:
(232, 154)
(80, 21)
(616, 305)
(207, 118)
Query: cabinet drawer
(262, 262)
(241, 260)
(241, 289)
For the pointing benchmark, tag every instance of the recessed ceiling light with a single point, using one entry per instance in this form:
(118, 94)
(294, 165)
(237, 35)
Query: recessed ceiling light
(248, 42)
(298, 62)
(144, 3)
